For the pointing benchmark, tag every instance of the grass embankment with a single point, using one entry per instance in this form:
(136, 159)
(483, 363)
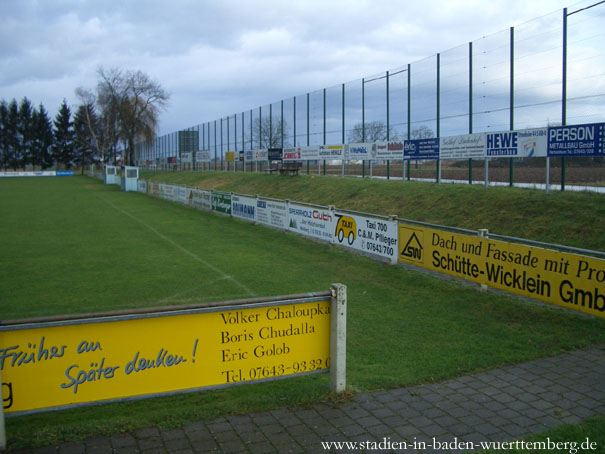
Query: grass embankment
(568, 218)
(74, 245)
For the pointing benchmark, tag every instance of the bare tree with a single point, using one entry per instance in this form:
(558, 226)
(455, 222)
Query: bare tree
(422, 132)
(268, 134)
(136, 100)
(374, 131)
(101, 121)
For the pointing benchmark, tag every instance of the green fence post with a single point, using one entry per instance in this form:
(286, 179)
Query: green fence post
(388, 125)
(512, 98)
(470, 105)
(564, 94)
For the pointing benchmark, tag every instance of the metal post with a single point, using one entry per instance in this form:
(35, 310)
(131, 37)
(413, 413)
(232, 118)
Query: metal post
(470, 106)
(236, 157)
(324, 135)
(343, 130)
(483, 233)
(363, 122)
(409, 115)
(388, 124)
(243, 143)
(512, 98)
(270, 125)
(547, 175)
(564, 94)
(215, 147)
(308, 130)
(3, 428)
(438, 180)
(294, 112)
(338, 338)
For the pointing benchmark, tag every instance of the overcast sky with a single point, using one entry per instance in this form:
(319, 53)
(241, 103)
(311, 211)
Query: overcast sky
(220, 57)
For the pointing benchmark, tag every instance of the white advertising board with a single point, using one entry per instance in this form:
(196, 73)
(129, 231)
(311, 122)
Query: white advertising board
(243, 207)
(388, 151)
(527, 143)
(369, 235)
(467, 146)
(311, 221)
(167, 191)
(43, 173)
(532, 143)
(182, 194)
(335, 152)
(201, 199)
(258, 155)
(202, 156)
(272, 213)
(360, 151)
(186, 157)
(142, 186)
(309, 153)
(292, 154)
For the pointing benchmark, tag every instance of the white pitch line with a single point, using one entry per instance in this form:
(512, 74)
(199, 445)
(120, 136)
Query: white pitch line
(181, 248)
(204, 299)
(197, 287)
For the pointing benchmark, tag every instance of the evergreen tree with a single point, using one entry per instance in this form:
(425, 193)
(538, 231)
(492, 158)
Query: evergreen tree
(3, 123)
(25, 133)
(63, 149)
(11, 132)
(43, 138)
(84, 147)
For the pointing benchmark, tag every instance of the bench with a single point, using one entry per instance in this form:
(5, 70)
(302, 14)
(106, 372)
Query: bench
(290, 168)
(274, 166)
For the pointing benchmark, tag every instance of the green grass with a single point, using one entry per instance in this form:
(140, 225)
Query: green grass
(75, 245)
(568, 218)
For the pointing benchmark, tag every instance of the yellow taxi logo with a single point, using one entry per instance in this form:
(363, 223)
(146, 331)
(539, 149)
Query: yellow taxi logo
(345, 228)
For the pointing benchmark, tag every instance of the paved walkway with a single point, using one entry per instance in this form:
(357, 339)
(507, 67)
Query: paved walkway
(501, 404)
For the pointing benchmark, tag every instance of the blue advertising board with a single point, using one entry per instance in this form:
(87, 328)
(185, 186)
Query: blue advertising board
(421, 149)
(65, 173)
(577, 140)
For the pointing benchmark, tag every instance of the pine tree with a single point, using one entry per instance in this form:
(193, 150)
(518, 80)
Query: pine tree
(25, 131)
(63, 149)
(11, 132)
(84, 148)
(3, 123)
(42, 138)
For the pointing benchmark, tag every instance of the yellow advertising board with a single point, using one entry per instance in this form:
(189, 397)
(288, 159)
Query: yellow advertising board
(230, 156)
(569, 280)
(56, 364)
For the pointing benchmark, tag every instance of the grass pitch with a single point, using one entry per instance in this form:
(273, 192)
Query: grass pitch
(74, 245)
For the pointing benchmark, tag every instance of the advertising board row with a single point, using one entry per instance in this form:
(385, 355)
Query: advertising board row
(41, 173)
(577, 140)
(370, 235)
(552, 141)
(566, 279)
